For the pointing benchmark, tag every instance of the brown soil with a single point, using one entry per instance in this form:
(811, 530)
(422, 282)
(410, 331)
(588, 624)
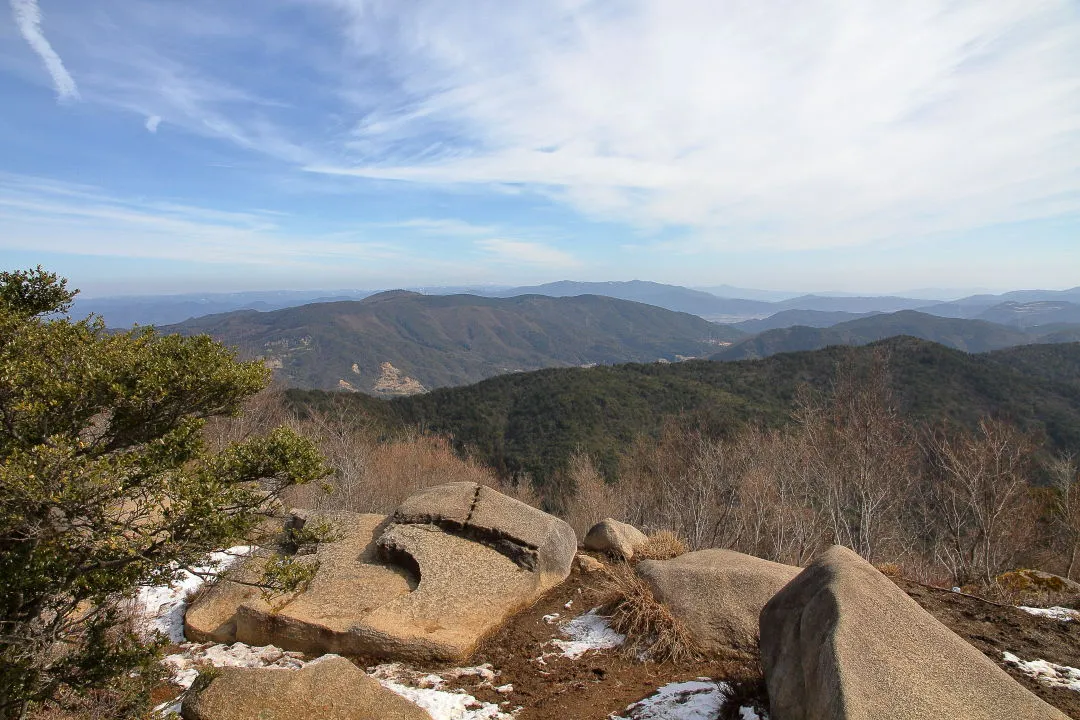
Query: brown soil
(995, 628)
(604, 682)
(591, 687)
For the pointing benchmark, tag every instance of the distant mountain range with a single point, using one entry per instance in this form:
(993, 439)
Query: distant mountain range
(957, 333)
(123, 311)
(1032, 314)
(790, 318)
(671, 297)
(402, 342)
(721, 305)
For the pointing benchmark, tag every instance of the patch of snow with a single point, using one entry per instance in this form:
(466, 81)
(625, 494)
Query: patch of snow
(748, 713)
(163, 606)
(485, 672)
(162, 610)
(443, 705)
(425, 691)
(184, 665)
(587, 632)
(1047, 673)
(691, 700)
(401, 673)
(169, 707)
(568, 604)
(1063, 614)
(551, 618)
(505, 689)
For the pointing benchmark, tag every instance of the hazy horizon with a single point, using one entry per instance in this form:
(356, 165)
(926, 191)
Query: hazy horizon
(931, 294)
(865, 148)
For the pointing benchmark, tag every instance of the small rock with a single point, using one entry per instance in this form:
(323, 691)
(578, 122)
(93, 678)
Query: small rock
(589, 564)
(271, 655)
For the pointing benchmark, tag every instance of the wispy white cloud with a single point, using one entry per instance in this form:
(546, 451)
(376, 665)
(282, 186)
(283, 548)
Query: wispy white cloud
(442, 227)
(153, 122)
(725, 125)
(82, 220)
(27, 16)
(529, 253)
(803, 125)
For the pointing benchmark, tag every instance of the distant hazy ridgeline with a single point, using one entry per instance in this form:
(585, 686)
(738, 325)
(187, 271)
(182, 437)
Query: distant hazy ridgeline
(961, 334)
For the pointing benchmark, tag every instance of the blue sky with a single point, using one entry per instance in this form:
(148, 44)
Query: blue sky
(192, 145)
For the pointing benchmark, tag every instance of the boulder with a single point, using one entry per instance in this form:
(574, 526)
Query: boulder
(533, 539)
(351, 582)
(419, 586)
(841, 641)
(329, 688)
(717, 594)
(1037, 581)
(615, 538)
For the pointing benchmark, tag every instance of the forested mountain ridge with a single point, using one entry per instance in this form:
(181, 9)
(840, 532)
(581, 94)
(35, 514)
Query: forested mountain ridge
(532, 422)
(402, 342)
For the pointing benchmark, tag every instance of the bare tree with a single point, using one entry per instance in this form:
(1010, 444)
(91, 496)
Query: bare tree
(861, 457)
(980, 498)
(1065, 507)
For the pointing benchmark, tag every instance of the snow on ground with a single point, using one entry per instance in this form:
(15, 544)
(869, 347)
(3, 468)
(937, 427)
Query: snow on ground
(692, 700)
(700, 699)
(425, 690)
(184, 664)
(163, 605)
(1047, 673)
(587, 632)
(1063, 614)
(162, 609)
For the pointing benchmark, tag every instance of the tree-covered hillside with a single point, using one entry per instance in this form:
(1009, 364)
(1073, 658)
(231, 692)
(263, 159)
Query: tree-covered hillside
(446, 340)
(532, 422)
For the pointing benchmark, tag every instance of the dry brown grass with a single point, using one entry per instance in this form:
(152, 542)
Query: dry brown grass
(662, 545)
(593, 499)
(890, 569)
(374, 477)
(650, 628)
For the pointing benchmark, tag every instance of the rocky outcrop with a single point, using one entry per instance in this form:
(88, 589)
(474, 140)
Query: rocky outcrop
(842, 642)
(391, 381)
(615, 538)
(531, 538)
(426, 584)
(717, 594)
(329, 688)
(351, 583)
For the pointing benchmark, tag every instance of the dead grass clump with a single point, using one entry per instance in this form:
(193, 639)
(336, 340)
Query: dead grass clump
(662, 545)
(650, 628)
(890, 569)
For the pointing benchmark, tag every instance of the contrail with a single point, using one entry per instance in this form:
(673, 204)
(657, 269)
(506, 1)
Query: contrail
(28, 18)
